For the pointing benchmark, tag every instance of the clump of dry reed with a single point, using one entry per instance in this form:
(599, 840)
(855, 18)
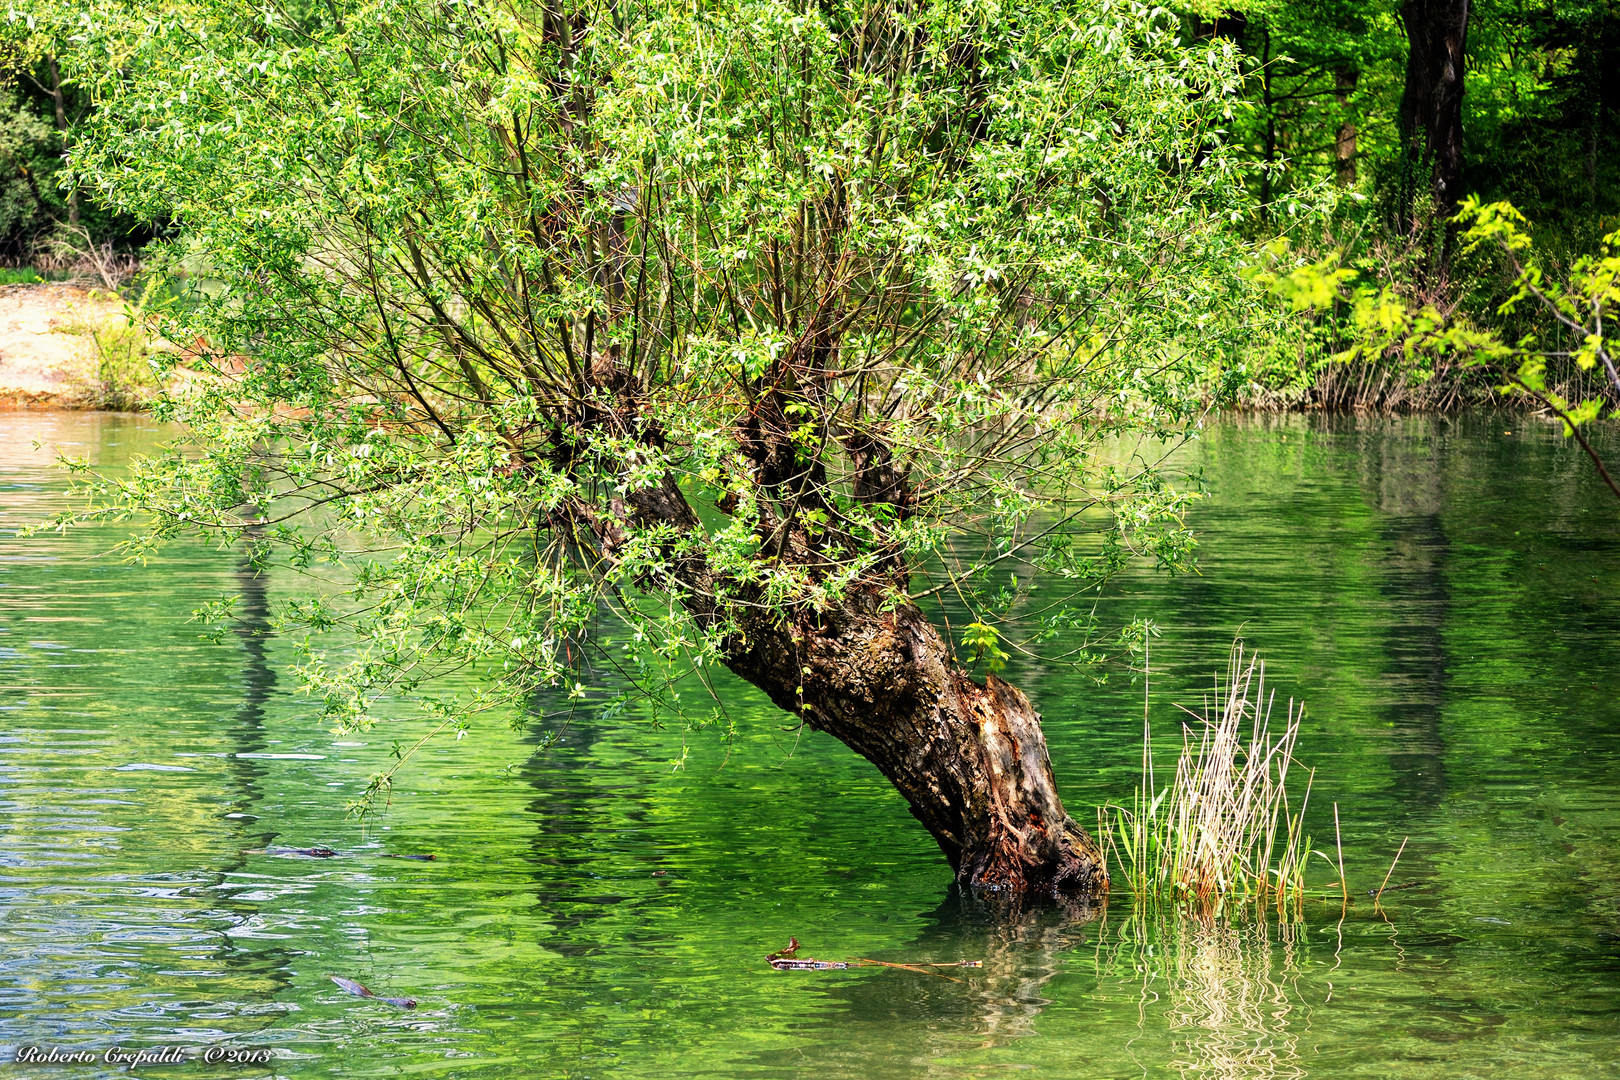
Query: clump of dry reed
(1226, 825)
(73, 251)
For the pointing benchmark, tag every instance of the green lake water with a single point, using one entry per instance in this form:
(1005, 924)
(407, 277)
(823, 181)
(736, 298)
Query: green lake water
(1442, 593)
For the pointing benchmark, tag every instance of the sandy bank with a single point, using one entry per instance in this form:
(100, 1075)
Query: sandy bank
(48, 356)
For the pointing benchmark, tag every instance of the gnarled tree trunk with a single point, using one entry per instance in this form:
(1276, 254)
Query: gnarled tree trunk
(970, 760)
(872, 672)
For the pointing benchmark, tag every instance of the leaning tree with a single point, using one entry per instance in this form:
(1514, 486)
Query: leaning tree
(758, 324)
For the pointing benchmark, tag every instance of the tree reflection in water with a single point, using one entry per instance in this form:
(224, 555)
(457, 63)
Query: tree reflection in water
(1024, 942)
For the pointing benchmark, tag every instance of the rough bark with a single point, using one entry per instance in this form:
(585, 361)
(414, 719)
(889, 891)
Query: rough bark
(970, 759)
(1431, 108)
(59, 103)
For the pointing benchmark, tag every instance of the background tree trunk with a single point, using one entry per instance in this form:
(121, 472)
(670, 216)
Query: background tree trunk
(1431, 115)
(59, 105)
(1268, 169)
(1344, 144)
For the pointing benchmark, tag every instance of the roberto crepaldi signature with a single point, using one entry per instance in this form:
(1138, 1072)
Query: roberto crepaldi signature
(134, 1059)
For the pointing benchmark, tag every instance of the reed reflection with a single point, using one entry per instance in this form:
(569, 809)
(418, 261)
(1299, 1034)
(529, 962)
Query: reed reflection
(1225, 985)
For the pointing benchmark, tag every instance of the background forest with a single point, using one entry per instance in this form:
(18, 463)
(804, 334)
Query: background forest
(1370, 99)
(1325, 103)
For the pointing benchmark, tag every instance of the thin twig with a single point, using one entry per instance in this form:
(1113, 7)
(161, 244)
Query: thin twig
(1344, 884)
(910, 967)
(1397, 859)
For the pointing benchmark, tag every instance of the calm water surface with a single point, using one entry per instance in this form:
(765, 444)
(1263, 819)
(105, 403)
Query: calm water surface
(1444, 595)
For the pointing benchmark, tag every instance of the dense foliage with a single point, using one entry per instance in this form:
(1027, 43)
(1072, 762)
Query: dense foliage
(711, 316)
(1577, 306)
(1322, 104)
(45, 217)
(1335, 96)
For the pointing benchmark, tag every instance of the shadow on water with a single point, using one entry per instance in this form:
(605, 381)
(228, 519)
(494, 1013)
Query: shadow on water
(247, 733)
(1023, 942)
(868, 1019)
(574, 816)
(564, 808)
